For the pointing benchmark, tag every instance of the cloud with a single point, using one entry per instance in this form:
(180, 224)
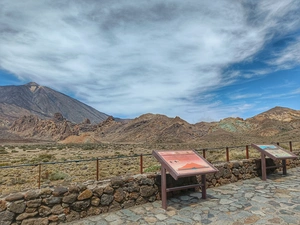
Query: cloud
(245, 96)
(287, 58)
(132, 57)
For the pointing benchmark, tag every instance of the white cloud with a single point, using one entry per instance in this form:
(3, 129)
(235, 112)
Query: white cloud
(288, 57)
(133, 57)
(245, 96)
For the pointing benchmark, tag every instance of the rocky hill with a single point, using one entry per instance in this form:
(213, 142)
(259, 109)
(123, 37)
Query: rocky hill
(274, 125)
(33, 99)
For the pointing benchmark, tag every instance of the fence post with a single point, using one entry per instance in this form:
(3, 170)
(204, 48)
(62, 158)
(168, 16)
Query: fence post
(141, 163)
(227, 154)
(203, 153)
(291, 146)
(247, 152)
(97, 169)
(40, 171)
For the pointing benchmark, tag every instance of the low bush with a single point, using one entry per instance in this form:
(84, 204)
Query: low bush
(44, 158)
(2, 151)
(58, 175)
(153, 168)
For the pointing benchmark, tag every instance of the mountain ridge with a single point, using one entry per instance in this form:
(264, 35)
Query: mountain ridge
(25, 115)
(156, 128)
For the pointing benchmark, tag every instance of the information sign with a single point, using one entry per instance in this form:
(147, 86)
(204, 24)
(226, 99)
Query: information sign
(274, 152)
(182, 163)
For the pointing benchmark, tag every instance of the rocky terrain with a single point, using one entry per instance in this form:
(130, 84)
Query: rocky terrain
(33, 113)
(277, 124)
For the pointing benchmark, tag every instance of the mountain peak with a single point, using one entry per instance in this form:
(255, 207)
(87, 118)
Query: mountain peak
(279, 113)
(32, 86)
(32, 98)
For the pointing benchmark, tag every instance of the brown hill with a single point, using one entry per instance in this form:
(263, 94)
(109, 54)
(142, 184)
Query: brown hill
(274, 125)
(276, 121)
(31, 98)
(278, 113)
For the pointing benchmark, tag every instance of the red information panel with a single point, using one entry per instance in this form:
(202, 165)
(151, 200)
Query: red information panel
(183, 163)
(274, 151)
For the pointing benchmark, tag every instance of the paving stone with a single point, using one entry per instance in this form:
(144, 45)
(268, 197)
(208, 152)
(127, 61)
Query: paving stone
(185, 198)
(297, 208)
(232, 209)
(196, 194)
(102, 222)
(226, 201)
(116, 222)
(251, 219)
(161, 216)
(112, 217)
(197, 217)
(183, 219)
(286, 212)
(253, 201)
(206, 221)
(150, 219)
(290, 219)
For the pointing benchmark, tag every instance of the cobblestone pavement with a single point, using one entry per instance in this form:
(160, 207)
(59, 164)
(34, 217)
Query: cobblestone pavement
(275, 201)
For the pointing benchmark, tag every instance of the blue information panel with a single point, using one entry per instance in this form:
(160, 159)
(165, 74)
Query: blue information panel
(274, 151)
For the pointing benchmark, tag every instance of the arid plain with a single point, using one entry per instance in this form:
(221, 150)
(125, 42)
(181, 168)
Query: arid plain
(28, 166)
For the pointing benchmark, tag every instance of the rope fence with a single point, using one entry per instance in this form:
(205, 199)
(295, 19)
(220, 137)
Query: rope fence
(206, 152)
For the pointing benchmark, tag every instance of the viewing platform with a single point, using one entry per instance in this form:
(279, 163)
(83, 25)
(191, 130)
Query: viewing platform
(253, 201)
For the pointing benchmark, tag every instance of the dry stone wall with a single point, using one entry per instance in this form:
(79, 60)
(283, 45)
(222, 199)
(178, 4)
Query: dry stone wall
(64, 204)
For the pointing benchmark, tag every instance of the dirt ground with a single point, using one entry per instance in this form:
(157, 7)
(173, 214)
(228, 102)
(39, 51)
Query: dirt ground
(29, 166)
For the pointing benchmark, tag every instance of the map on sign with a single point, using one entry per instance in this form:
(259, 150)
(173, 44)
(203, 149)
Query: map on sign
(184, 162)
(274, 151)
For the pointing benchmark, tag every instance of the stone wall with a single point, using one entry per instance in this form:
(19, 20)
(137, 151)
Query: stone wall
(65, 204)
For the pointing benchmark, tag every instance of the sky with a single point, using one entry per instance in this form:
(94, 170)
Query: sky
(199, 60)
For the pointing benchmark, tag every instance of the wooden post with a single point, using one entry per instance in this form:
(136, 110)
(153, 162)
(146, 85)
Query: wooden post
(97, 169)
(141, 164)
(247, 152)
(291, 146)
(163, 188)
(203, 189)
(227, 154)
(203, 153)
(284, 167)
(263, 167)
(40, 172)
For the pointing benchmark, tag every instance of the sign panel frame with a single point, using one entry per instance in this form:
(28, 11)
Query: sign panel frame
(274, 152)
(182, 163)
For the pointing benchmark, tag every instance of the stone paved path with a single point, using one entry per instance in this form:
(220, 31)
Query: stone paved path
(275, 201)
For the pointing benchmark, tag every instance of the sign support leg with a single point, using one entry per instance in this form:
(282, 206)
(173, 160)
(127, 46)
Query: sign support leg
(163, 188)
(203, 189)
(263, 167)
(284, 166)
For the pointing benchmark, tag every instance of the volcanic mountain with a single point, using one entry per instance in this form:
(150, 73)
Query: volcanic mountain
(33, 99)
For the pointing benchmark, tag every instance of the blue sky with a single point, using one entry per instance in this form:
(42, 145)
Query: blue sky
(199, 60)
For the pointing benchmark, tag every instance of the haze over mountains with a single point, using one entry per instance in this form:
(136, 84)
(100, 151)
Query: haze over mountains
(32, 112)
